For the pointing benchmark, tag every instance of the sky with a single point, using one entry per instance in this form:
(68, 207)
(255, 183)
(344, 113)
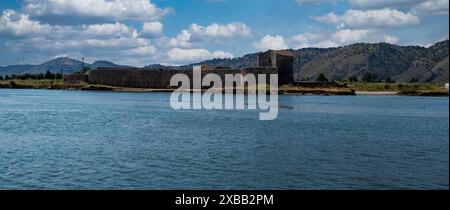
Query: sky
(176, 32)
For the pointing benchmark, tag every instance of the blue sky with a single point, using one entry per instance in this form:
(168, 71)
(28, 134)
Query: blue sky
(143, 32)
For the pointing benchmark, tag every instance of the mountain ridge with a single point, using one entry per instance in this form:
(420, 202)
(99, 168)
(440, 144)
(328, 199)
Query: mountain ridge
(387, 62)
(65, 65)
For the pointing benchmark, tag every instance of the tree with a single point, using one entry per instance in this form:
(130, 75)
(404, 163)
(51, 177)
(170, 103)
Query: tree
(84, 70)
(58, 76)
(413, 80)
(353, 79)
(321, 78)
(49, 75)
(389, 80)
(7, 77)
(369, 78)
(1, 77)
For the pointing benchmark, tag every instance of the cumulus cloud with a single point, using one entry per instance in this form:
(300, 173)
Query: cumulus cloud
(269, 42)
(14, 24)
(375, 4)
(114, 40)
(213, 32)
(18, 25)
(307, 40)
(226, 31)
(348, 36)
(371, 18)
(152, 29)
(114, 10)
(105, 30)
(304, 2)
(436, 7)
(383, 3)
(178, 54)
(182, 40)
(340, 38)
(419, 7)
(107, 39)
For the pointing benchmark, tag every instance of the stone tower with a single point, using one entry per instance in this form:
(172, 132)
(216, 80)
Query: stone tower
(282, 60)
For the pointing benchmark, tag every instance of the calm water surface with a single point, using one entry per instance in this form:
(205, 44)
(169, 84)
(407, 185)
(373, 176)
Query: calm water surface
(101, 140)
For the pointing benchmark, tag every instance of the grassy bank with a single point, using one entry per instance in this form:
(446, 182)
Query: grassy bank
(411, 89)
(400, 89)
(40, 84)
(294, 90)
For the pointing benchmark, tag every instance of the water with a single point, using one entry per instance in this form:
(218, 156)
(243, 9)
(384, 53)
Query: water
(101, 140)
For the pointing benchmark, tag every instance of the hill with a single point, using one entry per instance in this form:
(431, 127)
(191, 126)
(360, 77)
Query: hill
(64, 64)
(385, 61)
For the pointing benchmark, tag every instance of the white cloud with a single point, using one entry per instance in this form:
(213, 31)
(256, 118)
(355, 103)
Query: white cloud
(111, 40)
(371, 18)
(144, 50)
(436, 7)
(372, 4)
(305, 40)
(14, 24)
(106, 29)
(152, 29)
(348, 36)
(226, 31)
(421, 7)
(383, 3)
(182, 40)
(116, 41)
(116, 10)
(269, 42)
(303, 2)
(210, 33)
(391, 39)
(340, 38)
(20, 25)
(190, 55)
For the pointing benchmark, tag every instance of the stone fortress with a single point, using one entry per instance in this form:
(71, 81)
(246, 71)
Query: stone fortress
(270, 62)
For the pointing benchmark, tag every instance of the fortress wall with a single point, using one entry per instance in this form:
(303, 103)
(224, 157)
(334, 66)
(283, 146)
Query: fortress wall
(159, 79)
(135, 78)
(75, 78)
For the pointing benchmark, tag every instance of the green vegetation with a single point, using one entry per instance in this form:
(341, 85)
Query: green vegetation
(417, 89)
(353, 79)
(48, 80)
(397, 87)
(47, 76)
(321, 78)
(369, 78)
(295, 90)
(39, 84)
(84, 70)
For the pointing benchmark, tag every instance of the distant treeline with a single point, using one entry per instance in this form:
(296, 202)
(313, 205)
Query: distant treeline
(367, 78)
(48, 75)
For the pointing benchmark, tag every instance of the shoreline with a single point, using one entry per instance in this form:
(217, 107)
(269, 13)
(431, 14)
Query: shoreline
(366, 90)
(282, 91)
(377, 93)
